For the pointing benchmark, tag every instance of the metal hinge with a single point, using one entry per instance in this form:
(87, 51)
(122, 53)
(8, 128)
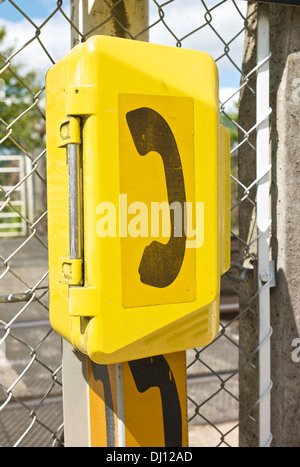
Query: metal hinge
(72, 273)
(69, 132)
(69, 137)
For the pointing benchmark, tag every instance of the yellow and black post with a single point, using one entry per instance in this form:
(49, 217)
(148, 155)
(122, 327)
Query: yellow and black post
(139, 227)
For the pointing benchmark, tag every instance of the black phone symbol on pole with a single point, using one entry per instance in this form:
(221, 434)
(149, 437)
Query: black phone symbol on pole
(161, 264)
(156, 372)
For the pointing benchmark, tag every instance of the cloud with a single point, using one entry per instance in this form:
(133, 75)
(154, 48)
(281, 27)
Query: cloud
(229, 98)
(182, 17)
(55, 37)
(50, 5)
(213, 32)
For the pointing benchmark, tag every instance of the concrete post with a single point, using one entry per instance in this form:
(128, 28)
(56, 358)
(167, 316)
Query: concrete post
(249, 322)
(285, 201)
(128, 19)
(285, 150)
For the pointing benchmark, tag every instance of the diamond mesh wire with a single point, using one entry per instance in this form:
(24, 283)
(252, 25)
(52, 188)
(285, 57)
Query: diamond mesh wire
(37, 34)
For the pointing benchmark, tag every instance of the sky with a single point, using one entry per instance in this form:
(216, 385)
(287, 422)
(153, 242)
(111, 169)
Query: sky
(181, 16)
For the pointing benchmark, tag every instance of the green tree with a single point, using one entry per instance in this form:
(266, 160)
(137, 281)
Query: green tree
(28, 132)
(22, 126)
(233, 130)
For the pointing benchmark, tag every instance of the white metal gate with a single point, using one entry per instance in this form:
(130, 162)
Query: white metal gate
(12, 172)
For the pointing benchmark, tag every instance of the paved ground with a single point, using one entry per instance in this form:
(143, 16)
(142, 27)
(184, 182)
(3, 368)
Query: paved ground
(30, 353)
(207, 436)
(30, 379)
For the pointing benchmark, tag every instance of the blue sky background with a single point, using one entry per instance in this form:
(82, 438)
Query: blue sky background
(33, 8)
(182, 16)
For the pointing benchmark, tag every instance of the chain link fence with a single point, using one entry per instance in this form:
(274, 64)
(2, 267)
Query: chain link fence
(33, 36)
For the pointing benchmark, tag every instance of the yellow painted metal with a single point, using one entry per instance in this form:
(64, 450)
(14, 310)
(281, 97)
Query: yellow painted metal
(143, 180)
(224, 210)
(155, 387)
(69, 132)
(115, 86)
(71, 270)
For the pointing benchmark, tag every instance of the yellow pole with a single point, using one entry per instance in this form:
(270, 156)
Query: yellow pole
(141, 403)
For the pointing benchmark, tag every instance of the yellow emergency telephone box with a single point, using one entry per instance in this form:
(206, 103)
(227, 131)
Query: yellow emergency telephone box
(138, 199)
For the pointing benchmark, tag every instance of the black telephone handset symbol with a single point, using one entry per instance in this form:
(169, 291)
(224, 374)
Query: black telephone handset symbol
(161, 264)
(155, 372)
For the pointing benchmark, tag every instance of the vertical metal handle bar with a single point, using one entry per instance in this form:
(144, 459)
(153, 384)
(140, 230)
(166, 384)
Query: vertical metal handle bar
(263, 224)
(74, 201)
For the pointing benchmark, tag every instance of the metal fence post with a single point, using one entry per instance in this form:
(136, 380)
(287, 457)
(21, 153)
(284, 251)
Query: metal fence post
(263, 224)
